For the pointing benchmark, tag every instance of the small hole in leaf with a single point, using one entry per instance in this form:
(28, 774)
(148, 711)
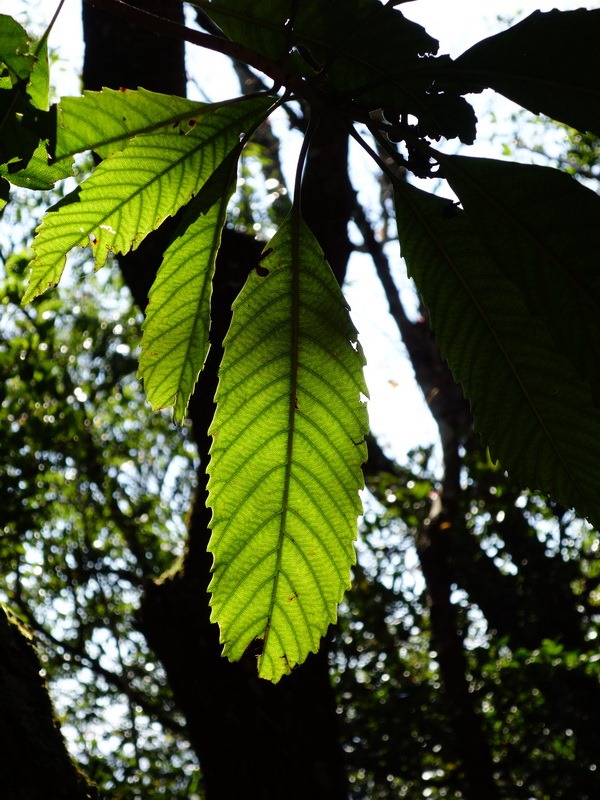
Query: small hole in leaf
(262, 272)
(255, 648)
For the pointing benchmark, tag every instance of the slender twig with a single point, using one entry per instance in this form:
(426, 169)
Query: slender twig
(46, 33)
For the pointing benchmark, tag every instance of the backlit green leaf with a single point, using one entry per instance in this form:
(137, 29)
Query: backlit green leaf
(106, 121)
(38, 87)
(14, 48)
(34, 171)
(528, 403)
(25, 124)
(134, 190)
(175, 341)
(288, 442)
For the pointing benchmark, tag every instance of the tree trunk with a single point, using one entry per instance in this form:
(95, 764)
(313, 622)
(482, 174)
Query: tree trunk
(434, 547)
(435, 544)
(35, 761)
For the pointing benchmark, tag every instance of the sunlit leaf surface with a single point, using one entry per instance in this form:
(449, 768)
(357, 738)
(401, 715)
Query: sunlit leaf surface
(132, 192)
(106, 121)
(288, 442)
(175, 341)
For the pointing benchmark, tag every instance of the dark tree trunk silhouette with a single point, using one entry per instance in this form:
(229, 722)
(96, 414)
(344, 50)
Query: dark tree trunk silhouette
(35, 762)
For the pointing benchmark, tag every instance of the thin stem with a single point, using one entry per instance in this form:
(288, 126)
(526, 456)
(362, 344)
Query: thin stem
(395, 179)
(313, 123)
(46, 33)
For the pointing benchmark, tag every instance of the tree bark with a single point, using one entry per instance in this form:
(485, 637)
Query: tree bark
(434, 548)
(35, 761)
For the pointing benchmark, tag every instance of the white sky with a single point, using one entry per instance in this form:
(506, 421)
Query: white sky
(458, 24)
(397, 409)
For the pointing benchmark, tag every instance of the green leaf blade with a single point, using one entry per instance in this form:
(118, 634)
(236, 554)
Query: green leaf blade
(36, 172)
(38, 87)
(284, 517)
(528, 403)
(175, 331)
(131, 193)
(15, 46)
(106, 121)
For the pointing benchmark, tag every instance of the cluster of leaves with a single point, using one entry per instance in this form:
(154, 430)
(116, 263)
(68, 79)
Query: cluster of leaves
(509, 270)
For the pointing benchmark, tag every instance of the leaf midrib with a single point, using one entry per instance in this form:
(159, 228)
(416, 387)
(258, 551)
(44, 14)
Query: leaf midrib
(292, 410)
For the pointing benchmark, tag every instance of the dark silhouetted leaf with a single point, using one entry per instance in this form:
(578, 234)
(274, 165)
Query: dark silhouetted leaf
(548, 63)
(528, 403)
(364, 49)
(543, 230)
